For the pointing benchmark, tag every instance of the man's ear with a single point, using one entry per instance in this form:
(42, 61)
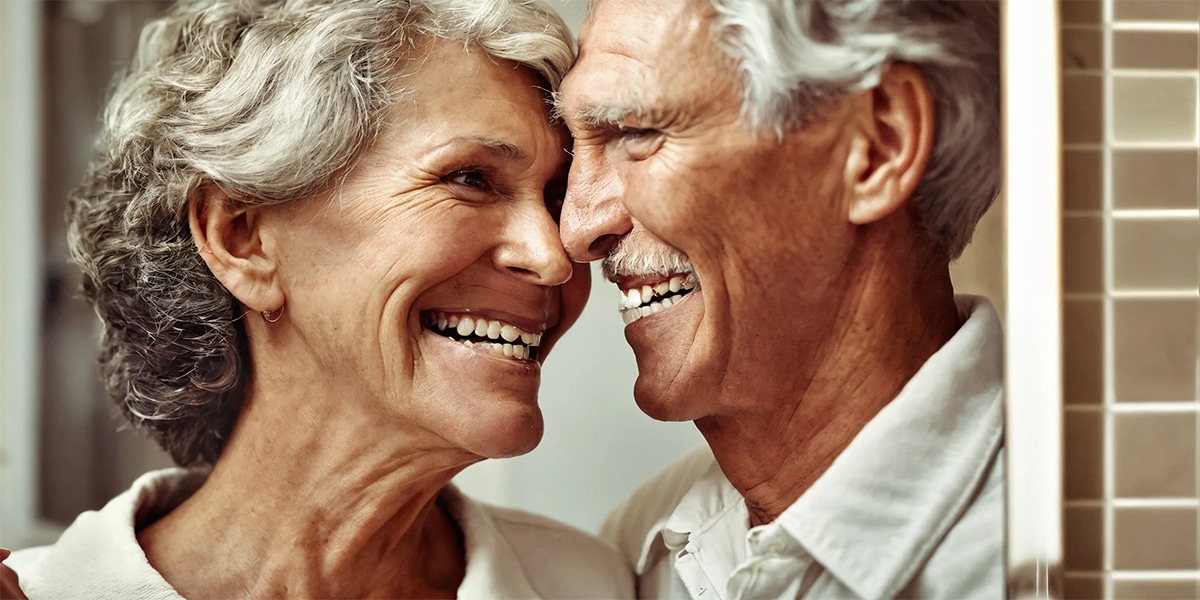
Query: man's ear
(228, 235)
(887, 158)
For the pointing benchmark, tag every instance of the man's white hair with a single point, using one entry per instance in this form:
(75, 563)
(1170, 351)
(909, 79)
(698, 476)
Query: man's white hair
(796, 55)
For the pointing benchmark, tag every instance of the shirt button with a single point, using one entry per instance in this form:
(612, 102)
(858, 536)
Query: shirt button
(777, 548)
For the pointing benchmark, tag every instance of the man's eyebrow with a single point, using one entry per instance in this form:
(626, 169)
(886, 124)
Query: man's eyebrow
(594, 115)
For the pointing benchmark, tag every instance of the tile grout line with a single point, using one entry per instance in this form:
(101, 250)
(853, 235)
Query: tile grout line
(1108, 321)
(1196, 342)
(1135, 503)
(1168, 73)
(1138, 214)
(1156, 575)
(1176, 294)
(1130, 145)
(1137, 408)
(1152, 26)
(1135, 26)
(1164, 214)
(1133, 408)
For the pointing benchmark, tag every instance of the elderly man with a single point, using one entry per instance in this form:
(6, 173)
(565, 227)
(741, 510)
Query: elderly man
(777, 188)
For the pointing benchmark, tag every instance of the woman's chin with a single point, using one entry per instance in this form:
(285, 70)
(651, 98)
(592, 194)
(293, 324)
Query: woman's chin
(506, 435)
(485, 404)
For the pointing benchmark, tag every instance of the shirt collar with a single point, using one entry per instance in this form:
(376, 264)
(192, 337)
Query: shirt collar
(99, 555)
(711, 515)
(710, 503)
(493, 570)
(102, 546)
(875, 516)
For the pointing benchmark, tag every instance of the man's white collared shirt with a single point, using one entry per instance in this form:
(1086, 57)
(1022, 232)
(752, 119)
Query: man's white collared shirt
(913, 507)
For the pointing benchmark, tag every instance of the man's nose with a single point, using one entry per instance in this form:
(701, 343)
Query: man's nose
(593, 216)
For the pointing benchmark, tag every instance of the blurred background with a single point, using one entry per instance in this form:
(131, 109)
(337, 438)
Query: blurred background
(1129, 260)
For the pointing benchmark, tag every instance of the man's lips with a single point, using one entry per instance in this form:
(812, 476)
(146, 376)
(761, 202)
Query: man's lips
(644, 296)
(491, 335)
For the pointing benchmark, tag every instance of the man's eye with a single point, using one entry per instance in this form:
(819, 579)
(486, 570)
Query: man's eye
(470, 178)
(639, 144)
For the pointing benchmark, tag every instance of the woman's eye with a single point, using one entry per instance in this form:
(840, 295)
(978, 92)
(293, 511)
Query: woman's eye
(555, 196)
(639, 144)
(470, 178)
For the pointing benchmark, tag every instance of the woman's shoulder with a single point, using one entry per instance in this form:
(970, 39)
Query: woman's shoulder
(517, 524)
(99, 553)
(558, 560)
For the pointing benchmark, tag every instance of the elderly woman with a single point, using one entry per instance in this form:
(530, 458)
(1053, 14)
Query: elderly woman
(322, 242)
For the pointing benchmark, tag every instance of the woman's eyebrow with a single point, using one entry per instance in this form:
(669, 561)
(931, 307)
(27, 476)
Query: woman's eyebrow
(501, 149)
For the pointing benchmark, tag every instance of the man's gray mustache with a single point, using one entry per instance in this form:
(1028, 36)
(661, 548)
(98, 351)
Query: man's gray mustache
(634, 259)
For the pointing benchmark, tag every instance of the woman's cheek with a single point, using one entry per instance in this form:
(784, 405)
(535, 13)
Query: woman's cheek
(575, 294)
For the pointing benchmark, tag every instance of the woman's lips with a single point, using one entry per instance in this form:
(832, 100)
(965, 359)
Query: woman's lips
(490, 335)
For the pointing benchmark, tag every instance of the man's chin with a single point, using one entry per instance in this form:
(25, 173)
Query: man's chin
(669, 385)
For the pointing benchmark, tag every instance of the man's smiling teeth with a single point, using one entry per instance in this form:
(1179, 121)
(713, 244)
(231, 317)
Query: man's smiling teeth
(647, 300)
(477, 332)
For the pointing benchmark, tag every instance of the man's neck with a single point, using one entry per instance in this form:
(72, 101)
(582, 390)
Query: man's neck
(775, 451)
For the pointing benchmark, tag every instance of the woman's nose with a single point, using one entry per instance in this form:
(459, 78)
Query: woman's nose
(534, 251)
(593, 216)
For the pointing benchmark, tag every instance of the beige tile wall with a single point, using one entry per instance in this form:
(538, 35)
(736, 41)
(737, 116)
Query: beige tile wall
(1131, 272)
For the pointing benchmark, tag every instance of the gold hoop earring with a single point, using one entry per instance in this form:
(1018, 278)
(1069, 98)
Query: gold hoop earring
(266, 315)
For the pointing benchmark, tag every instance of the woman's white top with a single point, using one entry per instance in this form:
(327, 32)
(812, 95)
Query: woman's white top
(510, 553)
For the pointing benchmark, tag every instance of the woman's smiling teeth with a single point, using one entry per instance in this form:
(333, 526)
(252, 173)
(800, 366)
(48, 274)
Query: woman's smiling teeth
(477, 332)
(638, 302)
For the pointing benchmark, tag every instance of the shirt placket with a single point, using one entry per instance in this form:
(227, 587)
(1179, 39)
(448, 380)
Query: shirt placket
(690, 568)
(774, 568)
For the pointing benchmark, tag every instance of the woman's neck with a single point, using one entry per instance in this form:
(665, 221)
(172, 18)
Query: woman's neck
(309, 505)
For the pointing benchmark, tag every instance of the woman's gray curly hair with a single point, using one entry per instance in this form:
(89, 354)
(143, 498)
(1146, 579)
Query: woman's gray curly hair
(795, 55)
(271, 101)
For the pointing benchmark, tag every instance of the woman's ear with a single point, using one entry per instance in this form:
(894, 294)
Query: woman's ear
(888, 157)
(229, 237)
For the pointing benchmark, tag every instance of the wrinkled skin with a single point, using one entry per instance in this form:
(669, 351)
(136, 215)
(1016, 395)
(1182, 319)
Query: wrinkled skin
(819, 295)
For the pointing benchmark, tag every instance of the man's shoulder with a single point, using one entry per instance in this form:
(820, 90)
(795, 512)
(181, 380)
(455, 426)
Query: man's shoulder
(653, 501)
(969, 561)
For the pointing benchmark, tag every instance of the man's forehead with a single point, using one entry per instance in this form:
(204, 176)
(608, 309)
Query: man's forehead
(627, 47)
(649, 31)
